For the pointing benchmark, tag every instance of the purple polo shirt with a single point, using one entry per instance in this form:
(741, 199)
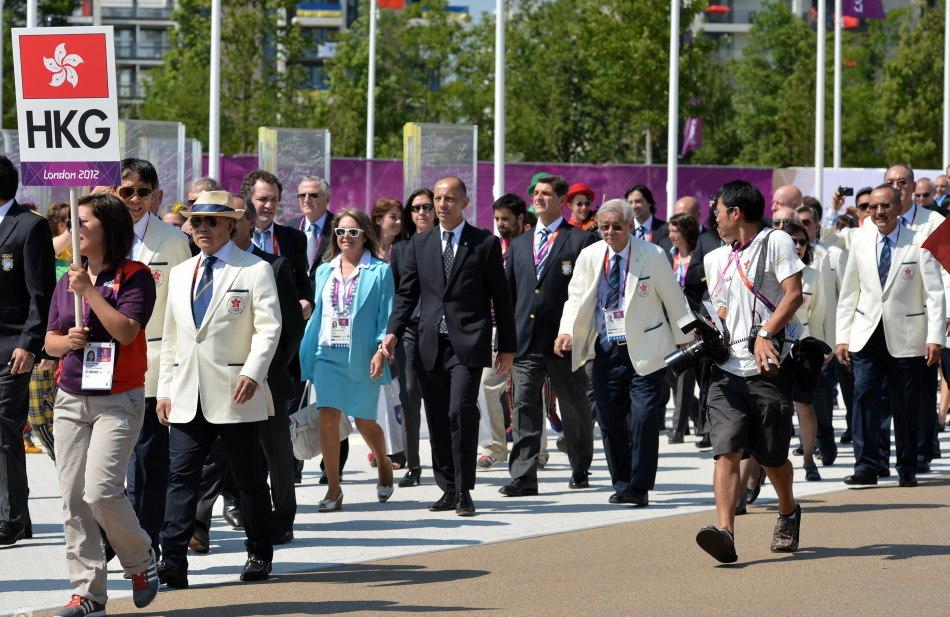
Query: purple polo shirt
(135, 300)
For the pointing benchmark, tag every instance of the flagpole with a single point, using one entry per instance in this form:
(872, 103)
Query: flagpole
(836, 138)
(371, 87)
(30, 13)
(673, 112)
(946, 85)
(820, 102)
(499, 185)
(214, 111)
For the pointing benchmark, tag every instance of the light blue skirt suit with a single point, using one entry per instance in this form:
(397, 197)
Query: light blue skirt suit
(341, 375)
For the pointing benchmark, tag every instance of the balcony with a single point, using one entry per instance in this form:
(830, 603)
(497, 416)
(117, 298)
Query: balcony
(125, 50)
(731, 16)
(137, 12)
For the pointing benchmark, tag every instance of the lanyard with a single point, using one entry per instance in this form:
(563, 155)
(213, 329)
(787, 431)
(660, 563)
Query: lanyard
(755, 292)
(680, 265)
(346, 294)
(540, 254)
(116, 285)
(623, 273)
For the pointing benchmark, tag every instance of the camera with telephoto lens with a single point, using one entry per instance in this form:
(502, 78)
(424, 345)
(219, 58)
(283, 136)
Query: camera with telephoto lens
(710, 344)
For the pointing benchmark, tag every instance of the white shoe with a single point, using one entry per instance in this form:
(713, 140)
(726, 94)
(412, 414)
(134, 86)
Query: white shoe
(383, 493)
(331, 505)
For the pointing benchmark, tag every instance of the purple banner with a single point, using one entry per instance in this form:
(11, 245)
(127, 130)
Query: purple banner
(863, 9)
(354, 182)
(86, 173)
(692, 135)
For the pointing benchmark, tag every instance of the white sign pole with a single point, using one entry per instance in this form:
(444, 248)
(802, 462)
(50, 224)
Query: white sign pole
(836, 138)
(30, 13)
(672, 132)
(820, 103)
(946, 85)
(74, 218)
(371, 86)
(214, 111)
(498, 188)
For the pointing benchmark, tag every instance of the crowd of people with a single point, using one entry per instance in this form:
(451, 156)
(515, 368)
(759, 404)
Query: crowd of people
(160, 372)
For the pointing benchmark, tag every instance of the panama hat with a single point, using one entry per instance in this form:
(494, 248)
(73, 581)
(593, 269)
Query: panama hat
(213, 203)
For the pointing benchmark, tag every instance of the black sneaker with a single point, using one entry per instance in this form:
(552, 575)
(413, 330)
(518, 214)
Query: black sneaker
(811, 472)
(719, 543)
(785, 536)
(79, 606)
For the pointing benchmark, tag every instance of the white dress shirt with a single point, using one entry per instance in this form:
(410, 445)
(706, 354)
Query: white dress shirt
(327, 315)
(647, 226)
(265, 245)
(223, 253)
(537, 237)
(602, 287)
(456, 235)
(138, 240)
(5, 209)
(893, 237)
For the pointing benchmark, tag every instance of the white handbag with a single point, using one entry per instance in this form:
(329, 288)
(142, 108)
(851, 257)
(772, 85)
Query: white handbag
(305, 429)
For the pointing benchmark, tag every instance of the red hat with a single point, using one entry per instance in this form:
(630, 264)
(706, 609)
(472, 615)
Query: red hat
(580, 189)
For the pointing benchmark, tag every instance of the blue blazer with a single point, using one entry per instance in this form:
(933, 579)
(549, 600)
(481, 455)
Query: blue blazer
(371, 308)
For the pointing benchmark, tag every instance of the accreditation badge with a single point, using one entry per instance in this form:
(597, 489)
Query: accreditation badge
(616, 329)
(340, 332)
(567, 267)
(98, 364)
(6, 261)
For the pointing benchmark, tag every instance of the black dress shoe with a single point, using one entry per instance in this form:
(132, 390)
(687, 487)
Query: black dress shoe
(846, 437)
(860, 479)
(255, 569)
(883, 472)
(636, 498)
(234, 517)
(704, 442)
(579, 480)
(412, 478)
(828, 455)
(923, 467)
(517, 488)
(172, 576)
(10, 533)
(907, 481)
(283, 538)
(445, 503)
(464, 505)
(675, 437)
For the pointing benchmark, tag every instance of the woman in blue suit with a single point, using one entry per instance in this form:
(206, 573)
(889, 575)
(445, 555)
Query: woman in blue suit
(340, 348)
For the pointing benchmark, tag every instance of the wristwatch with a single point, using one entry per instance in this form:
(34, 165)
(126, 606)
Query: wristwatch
(762, 333)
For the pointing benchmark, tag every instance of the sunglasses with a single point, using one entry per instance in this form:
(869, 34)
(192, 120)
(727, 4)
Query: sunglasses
(921, 195)
(615, 227)
(303, 196)
(897, 182)
(126, 192)
(582, 204)
(420, 207)
(353, 232)
(198, 221)
(800, 242)
(875, 207)
(863, 207)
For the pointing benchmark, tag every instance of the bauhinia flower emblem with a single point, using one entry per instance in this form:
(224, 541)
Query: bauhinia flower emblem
(62, 66)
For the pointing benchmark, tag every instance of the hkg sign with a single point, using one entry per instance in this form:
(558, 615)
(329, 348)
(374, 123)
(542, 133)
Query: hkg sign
(67, 112)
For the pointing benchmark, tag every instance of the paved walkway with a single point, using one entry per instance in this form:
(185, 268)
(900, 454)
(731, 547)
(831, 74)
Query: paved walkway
(330, 546)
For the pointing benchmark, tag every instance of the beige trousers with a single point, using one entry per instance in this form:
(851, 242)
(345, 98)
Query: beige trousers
(94, 440)
(494, 387)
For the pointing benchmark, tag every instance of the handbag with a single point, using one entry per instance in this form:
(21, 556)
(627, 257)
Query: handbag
(305, 428)
(808, 357)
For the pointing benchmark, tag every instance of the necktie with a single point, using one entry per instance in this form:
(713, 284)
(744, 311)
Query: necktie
(541, 250)
(884, 264)
(312, 249)
(642, 232)
(262, 239)
(904, 221)
(448, 258)
(613, 284)
(199, 306)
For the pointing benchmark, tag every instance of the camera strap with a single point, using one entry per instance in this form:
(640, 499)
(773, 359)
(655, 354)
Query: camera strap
(762, 256)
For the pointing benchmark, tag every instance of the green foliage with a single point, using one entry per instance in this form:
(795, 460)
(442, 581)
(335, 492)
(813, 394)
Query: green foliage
(253, 92)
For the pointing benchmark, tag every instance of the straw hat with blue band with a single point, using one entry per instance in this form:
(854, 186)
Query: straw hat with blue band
(213, 203)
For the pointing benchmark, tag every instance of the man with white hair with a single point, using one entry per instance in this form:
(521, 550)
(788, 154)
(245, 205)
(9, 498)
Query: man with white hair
(788, 196)
(623, 302)
(313, 197)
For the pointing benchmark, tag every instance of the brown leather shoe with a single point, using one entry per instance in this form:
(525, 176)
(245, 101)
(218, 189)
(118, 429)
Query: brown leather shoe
(199, 546)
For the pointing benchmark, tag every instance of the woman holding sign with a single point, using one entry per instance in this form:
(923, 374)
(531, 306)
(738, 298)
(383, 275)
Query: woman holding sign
(100, 404)
(340, 348)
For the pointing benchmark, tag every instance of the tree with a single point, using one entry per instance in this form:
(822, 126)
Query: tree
(253, 91)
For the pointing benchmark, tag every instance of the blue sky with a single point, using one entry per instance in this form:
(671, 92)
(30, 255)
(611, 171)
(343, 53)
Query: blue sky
(475, 7)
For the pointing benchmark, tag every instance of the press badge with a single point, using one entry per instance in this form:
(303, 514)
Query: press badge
(340, 332)
(98, 364)
(616, 331)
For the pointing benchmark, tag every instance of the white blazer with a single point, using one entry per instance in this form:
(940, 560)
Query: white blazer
(651, 287)
(817, 312)
(238, 336)
(163, 248)
(911, 302)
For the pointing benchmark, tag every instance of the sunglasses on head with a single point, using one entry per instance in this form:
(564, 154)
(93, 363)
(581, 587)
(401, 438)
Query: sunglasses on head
(126, 192)
(418, 207)
(353, 232)
(302, 196)
(607, 227)
(198, 221)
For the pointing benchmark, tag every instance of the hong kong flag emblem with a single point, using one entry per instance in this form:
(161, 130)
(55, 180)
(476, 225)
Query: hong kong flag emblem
(64, 66)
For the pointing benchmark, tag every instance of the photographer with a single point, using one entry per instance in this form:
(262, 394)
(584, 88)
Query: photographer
(749, 397)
